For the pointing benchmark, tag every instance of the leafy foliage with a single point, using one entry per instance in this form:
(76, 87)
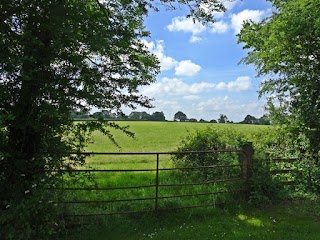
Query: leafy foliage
(223, 118)
(268, 144)
(182, 117)
(59, 57)
(209, 139)
(285, 48)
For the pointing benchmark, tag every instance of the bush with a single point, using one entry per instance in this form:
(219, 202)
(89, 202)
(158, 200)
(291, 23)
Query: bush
(37, 216)
(264, 187)
(209, 139)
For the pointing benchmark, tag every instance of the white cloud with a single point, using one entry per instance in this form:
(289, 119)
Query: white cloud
(187, 68)
(166, 63)
(191, 97)
(184, 24)
(242, 83)
(234, 109)
(219, 27)
(177, 87)
(194, 39)
(247, 14)
(182, 68)
(217, 15)
(187, 25)
(193, 107)
(215, 104)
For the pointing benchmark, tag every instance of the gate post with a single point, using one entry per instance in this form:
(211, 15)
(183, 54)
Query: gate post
(246, 166)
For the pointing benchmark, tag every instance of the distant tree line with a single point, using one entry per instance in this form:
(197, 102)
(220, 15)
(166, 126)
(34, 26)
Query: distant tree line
(264, 120)
(159, 116)
(104, 114)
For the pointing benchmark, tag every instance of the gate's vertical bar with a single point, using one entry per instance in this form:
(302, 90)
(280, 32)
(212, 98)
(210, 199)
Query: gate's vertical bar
(246, 172)
(157, 185)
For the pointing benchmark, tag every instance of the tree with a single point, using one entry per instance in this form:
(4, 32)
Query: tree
(139, 116)
(222, 119)
(62, 56)
(158, 116)
(285, 48)
(79, 114)
(180, 116)
(51, 65)
(250, 120)
(264, 120)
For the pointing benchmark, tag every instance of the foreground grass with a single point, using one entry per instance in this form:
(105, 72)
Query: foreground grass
(288, 220)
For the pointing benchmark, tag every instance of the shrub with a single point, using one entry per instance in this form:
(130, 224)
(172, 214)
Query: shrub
(209, 139)
(37, 216)
(264, 187)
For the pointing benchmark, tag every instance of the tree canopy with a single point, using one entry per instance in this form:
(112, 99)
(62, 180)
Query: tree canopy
(223, 118)
(56, 58)
(182, 117)
(285, 48)
(59, 57)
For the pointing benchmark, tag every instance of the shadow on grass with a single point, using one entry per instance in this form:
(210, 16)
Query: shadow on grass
(287, 220)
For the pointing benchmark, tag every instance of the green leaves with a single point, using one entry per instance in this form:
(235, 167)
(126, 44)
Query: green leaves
(285, 49)
(60, 56)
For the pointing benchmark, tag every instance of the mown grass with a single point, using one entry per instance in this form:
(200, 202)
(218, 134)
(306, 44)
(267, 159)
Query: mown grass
(286, 220)
(159, 136)
(152, 137)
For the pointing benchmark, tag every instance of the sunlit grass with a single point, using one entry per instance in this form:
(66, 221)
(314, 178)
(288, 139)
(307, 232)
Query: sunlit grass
(288, 220)
(159, 136)
(292, 221)
(149, 137)
(152, 137)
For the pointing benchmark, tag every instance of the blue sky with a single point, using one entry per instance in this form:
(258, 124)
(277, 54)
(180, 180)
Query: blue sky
(200, 71)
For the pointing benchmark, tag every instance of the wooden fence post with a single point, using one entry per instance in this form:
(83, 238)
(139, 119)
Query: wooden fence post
(246, 169)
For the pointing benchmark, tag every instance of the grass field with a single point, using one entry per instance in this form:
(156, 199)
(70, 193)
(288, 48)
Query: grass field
(287, 220)
(149, 137)
(292, 220)
(153, 137)
(160, 136)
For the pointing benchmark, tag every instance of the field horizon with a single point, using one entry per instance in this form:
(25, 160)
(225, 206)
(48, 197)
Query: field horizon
(158, 136)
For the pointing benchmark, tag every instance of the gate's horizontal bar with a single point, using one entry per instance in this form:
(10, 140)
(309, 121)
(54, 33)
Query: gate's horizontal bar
(146, 186)
(202, 194)
(151, 198)
(201, 183)
(153, 169)
(155, 153)
(108, 201)
(101, 188)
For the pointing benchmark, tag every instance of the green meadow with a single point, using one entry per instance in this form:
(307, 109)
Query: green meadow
(290, 220)
(159, 136)
(150, 137)
(153, 137)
